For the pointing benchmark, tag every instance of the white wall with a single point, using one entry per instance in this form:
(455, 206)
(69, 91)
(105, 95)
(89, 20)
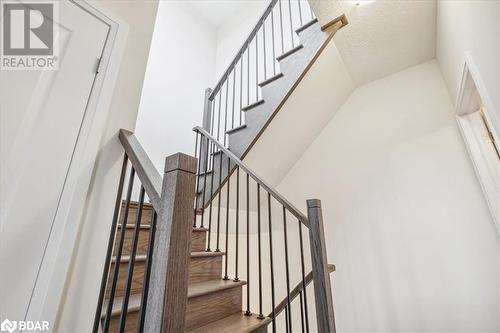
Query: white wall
(180, 67)
(470, 26)
(406, 223)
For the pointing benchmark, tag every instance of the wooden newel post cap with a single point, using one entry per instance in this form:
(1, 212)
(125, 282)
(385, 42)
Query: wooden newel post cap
(313, 203)
(181, 162)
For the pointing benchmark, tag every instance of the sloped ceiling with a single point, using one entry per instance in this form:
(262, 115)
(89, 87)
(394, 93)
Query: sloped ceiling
(383, 36)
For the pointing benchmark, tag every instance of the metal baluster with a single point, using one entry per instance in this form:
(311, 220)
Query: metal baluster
(291, 22)
(131, 262)
(300, 12)
(256, 66)
(118, 257)
(147, 274)
(221, 154)
(234, 87)
(111, 240)
(281, 27)
(269, 214)
(236, 279)
(287, 269)
(227, 217)
(247, 312)
(303, 276)
(225, 114)
(241, 89)
(211, 200)
(287, 315)
(260, 316)
(248, 75)
(301, 312)
(204, 183)
(272, 32)
(218, 115)
(264, 48)
(197, 178)
(213, 118)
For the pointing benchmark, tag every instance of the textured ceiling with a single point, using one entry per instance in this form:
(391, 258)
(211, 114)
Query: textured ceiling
(386, 36)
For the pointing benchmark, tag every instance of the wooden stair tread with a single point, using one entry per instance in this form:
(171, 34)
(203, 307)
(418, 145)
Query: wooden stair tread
(208, 287)
(134, 304)
(202, 254)
(237, 322)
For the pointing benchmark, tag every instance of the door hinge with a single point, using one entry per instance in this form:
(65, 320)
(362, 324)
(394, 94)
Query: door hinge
(98, 65)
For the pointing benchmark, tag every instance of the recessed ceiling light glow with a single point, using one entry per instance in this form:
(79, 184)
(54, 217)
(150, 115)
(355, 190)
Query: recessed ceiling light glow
(360, 2)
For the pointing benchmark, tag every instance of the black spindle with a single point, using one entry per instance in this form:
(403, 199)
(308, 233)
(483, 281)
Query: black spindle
(281, 27)
(301, 312)
(131, 262)
(273, 43)
(291, 22)
(118, 257)
(269, 214)
(236, 279)
(287, 269)
(247, 312)
(227, 218)
(211, 200)
(198, 176)
(303, 276)
(218, 204)
(147, 273)
(261, 316)
(234, 87)
(225, 113)
(204, 182)
(109, 251)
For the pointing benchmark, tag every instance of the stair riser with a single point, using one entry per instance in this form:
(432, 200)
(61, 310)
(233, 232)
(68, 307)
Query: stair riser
(198, 241)
(142, 245)
(205, 309)
(137, 279)
(205, 269)
(147, 213)
(130, 325)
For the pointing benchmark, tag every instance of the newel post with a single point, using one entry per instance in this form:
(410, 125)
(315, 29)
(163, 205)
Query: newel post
(207, 117)
(167, 294)
(321, 275)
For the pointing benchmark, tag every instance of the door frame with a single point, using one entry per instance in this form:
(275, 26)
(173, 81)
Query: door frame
(472, 92)
(49, 286)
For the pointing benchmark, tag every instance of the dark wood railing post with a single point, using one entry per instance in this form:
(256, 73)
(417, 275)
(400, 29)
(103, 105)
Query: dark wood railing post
(207, 117)
(321, 274)
(167, 295)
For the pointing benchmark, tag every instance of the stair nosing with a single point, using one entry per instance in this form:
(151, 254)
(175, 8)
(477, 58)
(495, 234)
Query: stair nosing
(290, 52)
(247, 329)
(205, 254)
(253, 105)
(132, 226)
(124, 259)
(236, 129)
(305, 26)
(200, 229)
(117, 306)
(217, 286)
(271, 79)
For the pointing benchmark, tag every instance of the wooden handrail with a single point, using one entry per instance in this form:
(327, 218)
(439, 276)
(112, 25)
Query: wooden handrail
(275, 194)
(144, 168)
(295, 291)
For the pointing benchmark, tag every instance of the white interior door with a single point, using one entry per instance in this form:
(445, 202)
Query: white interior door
(41, 114)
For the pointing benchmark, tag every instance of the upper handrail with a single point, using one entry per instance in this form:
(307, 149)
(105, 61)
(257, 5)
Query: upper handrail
(144, 168)
(242, 49)
(295, 212)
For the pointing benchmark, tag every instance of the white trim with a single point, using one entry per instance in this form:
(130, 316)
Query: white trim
(471, 94)
(50, 284)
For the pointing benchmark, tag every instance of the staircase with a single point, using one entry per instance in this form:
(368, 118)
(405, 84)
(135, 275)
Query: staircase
(217, 249)
(214, 305)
